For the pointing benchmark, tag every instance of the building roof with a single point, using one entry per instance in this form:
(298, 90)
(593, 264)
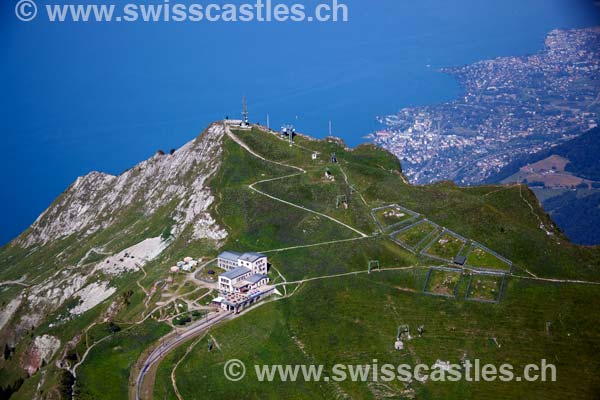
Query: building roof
(256, 278)
(460, 260)
(241, 284)
(235, 273)
(251, 257)
(230, 255)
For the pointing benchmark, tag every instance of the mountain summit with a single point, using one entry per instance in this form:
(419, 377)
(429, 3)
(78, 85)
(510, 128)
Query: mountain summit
(97, 200)
(103, 294)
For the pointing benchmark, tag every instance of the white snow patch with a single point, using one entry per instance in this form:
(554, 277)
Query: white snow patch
(92, 295)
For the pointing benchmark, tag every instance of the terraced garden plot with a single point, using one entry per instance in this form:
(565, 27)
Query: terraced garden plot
(392, 215)
(484, 259)
(447, 246)
(414, 235)
(442, 282)
(485, 288)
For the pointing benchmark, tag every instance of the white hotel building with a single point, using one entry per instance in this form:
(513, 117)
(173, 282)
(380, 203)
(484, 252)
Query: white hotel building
(245, 272)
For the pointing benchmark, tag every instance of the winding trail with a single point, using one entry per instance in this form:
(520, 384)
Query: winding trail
(19, 282)
(97, 250)
(531, 208)
(177, 338)
(534, 278)
(542, 226)
(300, 172)
(137, 282)
(497, 190)
(352, 187)
(303, 246)
(282, 279)
(174, 370)
(202, 326)
(172, 341)
(317, 278)
(552, 280)
(73, 370)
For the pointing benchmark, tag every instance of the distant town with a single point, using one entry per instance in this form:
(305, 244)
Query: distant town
(511, 106)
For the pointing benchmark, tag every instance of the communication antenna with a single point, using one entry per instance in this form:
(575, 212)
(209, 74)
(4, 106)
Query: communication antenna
(341, 199)
(289, 130)
(244, 111)
(268, 122)
(330, 130)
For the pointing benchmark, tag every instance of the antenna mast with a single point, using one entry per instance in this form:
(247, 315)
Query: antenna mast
(244, 111)
(289, 130)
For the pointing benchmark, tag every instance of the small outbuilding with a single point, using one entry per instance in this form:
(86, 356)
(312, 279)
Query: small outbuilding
(460, 260)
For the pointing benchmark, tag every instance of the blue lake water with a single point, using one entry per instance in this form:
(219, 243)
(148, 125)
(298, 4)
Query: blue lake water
(78, 97)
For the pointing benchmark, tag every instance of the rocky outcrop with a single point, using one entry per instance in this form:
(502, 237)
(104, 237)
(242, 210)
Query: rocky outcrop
(41, 351)
(97, 200)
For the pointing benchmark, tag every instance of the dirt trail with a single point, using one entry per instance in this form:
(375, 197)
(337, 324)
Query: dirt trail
(201, 328)
(300, 172)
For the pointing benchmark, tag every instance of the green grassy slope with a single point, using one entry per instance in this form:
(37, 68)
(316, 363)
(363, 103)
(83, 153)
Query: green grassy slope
(353, 319)
(346, 318)
(106, 374)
